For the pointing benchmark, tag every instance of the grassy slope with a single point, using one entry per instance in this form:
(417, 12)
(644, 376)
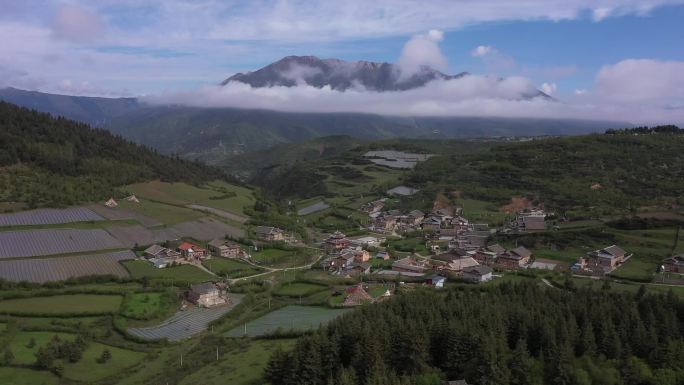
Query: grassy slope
(206, 195)
(633, 171)
(18, 376)
(189, 273)
(76, 303)
(241, 366)
(230, 268)
(88, 369)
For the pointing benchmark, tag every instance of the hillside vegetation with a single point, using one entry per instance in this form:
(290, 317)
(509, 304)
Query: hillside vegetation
(597, 174)
(46, 161)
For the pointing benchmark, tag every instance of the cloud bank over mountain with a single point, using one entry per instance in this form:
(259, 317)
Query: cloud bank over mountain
(641, 91)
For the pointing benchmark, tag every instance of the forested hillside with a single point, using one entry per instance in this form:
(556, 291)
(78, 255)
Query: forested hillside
(508, 334)
(604, 173)
(46, 161)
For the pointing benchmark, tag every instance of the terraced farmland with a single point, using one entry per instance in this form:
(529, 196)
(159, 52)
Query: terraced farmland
(298, 318)
(58, 269)
(33, 243)
(49, 217)
(121, 213)
(185, 323)
(204, 229)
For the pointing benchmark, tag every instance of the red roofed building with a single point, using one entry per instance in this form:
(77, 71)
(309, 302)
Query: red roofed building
(192, 251)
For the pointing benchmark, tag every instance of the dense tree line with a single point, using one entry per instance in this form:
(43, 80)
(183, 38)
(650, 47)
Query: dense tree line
(55, 161)
(667, 129)
(509, 334)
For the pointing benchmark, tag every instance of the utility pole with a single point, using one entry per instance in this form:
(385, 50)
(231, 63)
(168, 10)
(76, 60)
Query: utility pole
(181, 359)
(217, 353)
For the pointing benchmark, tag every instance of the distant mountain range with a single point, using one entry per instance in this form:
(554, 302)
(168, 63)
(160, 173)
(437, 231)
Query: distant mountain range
(341, 75)
(338, 74)
(216, 134)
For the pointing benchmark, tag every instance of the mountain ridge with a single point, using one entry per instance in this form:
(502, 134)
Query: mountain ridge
(338, 74)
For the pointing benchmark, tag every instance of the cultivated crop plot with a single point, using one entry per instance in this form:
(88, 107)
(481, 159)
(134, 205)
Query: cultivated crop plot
(139, 235)
(49, 217)
(58, 269)
(206, 229)
(320, 206)
(220, 213)
(186, 323)
(32, 243)
(119, 213)
(298, 318)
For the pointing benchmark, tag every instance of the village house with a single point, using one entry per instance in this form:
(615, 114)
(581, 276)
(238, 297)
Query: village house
(382, 254)
(415, 217)
(269, 234)
(477, 274)
(410, 265)
(530, 220)
(161, 257)
(607, 258)
(458, 265)
(206, 295)
(192, 251)
(436, 281)
(384, 223)
(514, 259)
(431, 224)
(336, 242)
(674, 264)
(225, 249)
(156, 251)
(488, 255)
(368, 241)
(359, 268)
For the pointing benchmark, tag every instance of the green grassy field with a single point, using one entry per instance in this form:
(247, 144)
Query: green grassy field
(273, 256)
(230, 268)
(296, 289)
(217, 194)
(187, 273)
(243, 365)
(76, 304)
(149, 305)
(26, 355)
(88, 370)
(19, 376)
(299, 318)
(481, 211)
(164, 213)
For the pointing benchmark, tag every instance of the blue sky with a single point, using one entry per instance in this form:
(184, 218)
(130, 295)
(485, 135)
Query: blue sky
(581, 51)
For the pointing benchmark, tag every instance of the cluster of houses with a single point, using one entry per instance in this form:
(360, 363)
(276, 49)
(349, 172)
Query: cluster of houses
(188, 252)
(345, 256)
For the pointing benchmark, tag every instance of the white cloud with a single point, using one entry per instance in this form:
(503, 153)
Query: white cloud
(423, 50)
(482, 50)
(549, 88)
(580, 91)
(78, 24)
(494, 59)
(643, 81)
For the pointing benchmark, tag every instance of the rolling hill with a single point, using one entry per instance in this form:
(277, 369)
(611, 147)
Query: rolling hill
(46, 161)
